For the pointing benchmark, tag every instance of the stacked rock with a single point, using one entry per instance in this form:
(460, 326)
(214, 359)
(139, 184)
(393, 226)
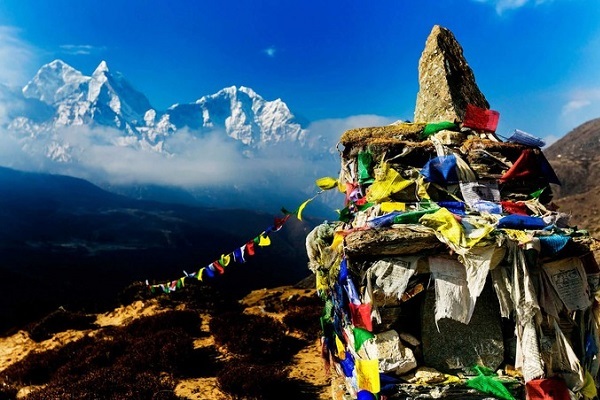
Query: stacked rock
(449, 258)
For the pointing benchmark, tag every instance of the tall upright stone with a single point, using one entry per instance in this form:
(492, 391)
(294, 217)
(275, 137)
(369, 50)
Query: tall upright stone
(446, 82)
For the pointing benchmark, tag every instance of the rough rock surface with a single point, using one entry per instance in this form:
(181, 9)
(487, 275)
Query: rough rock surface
(446, 82)
(402, 239)
(456, 345)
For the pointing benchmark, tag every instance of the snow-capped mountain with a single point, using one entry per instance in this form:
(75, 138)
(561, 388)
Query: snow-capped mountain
(60, 96)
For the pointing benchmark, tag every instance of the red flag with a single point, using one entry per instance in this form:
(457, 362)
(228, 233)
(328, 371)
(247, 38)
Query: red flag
(361, 316)
(218, 267)
(250, 248)
(481, 119)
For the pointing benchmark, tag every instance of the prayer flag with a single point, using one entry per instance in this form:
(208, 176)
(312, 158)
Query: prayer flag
(238, 255)
(250, 248)
(326, 183)
(481, 119)
(367, 372)
(225, 260)
(301, 208)
(264, 241)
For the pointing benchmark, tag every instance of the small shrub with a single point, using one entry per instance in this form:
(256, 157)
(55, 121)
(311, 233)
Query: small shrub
(305, 319)
(163, 351)
(60, 321)
(199, 296)
(109, 384)
(202, 362)
(253, 381)
(259, 337)
(7, 392)
(138, 361)
(189, 321)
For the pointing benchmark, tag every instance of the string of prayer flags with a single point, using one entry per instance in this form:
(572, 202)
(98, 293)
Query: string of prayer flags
(240, 254)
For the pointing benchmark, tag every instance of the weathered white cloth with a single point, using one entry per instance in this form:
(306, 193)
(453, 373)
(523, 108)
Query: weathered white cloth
(503, 289)
(569, 279)
(391, 276)
(565, 362)
(452, 297)
(527, 311)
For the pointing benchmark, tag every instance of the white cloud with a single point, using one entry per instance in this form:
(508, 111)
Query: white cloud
(270, 51)
(80, 49)
(331, 129)
(278, 175)
(574, 105)
(504, 5)
(16, 57)
(581, 105)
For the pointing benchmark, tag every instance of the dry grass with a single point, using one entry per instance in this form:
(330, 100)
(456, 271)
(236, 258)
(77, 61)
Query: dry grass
(363, 136)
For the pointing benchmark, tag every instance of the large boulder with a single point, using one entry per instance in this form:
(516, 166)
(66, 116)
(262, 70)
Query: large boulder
(446, 82)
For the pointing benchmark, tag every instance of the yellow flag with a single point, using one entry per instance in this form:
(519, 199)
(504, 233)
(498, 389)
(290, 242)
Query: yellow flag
(264, 240)
(422, 187)
(367, 372)
(321, 282)
(225, 259)
(589, 388)
(518, 235)
(326, 183)
(301, 208)
(389, 206)
(388, 182)
(200, 273)
(452, 231)
(338, 240)
(340, 348)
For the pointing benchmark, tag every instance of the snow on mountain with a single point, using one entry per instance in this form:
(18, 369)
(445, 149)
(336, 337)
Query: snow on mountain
(55, 82)
(64, 97)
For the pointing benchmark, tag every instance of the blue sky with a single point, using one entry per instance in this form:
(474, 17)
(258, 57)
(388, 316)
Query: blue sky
(537, 61)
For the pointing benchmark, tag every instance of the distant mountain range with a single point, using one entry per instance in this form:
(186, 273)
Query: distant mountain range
(228, 149)
(61, 96)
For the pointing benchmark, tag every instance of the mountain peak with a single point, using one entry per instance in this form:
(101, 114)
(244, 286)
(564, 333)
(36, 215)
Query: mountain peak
(50, 78)
(56, 64)
(248, 91)
(102, 68)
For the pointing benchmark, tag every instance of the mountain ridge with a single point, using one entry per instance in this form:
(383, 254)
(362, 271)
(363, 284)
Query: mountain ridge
(107, 99)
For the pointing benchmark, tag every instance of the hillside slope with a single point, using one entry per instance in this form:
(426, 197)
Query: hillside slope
(576, 160)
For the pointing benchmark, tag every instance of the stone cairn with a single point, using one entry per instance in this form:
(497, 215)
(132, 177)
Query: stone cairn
(450, 274)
